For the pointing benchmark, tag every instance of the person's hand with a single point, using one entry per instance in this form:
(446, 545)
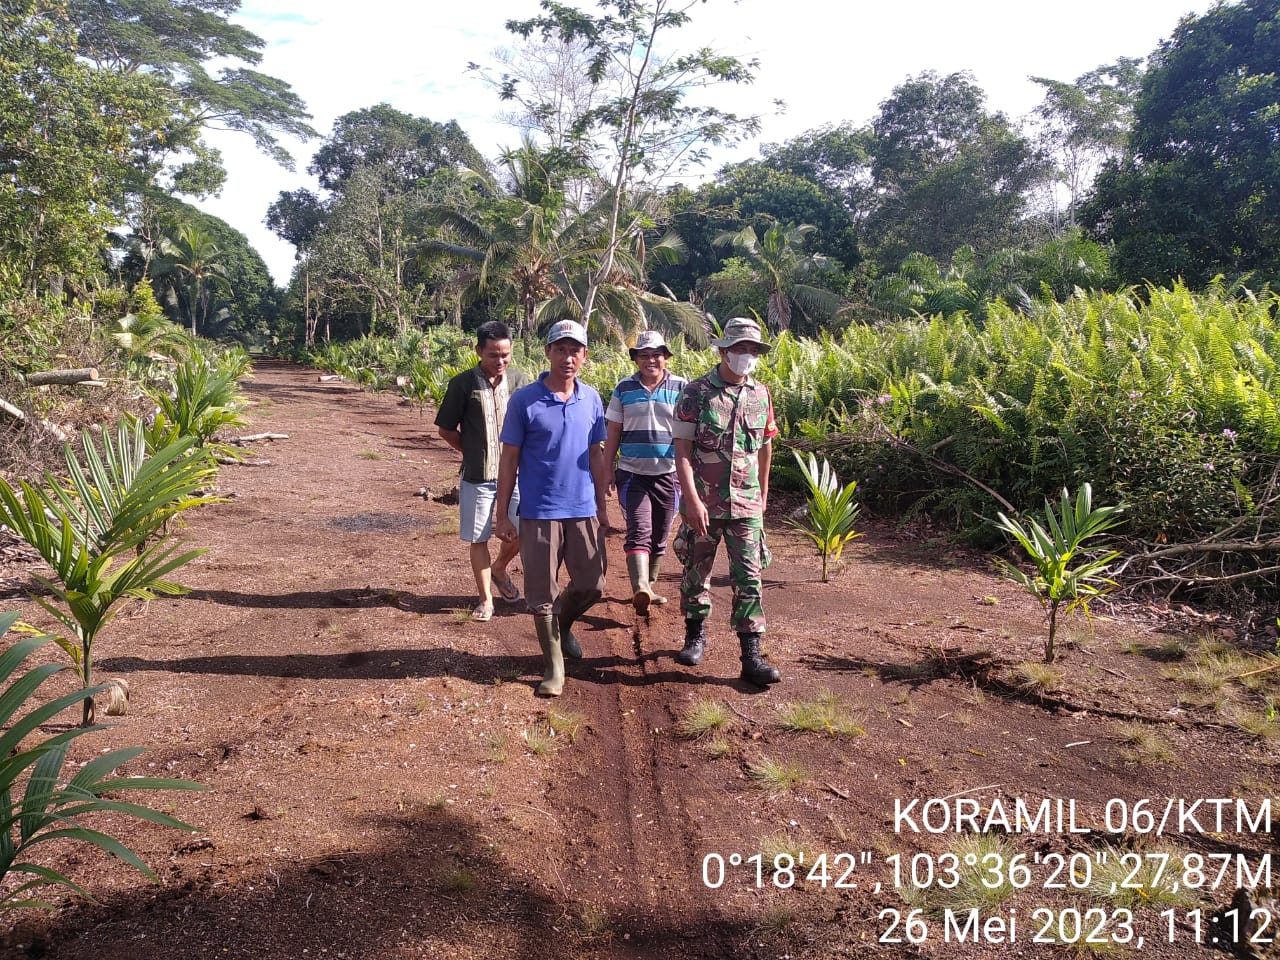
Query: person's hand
(695, 515)
(504, 529)
(607, 529)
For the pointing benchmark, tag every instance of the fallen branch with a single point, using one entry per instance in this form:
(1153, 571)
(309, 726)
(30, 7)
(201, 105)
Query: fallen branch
(63, 377)
(741, 714)
(241, 462)
(9, 410)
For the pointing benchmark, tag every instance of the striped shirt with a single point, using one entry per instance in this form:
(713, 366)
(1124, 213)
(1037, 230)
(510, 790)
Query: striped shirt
(646, 417)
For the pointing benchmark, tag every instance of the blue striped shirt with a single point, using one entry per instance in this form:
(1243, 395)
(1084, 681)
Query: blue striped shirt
(646, 417)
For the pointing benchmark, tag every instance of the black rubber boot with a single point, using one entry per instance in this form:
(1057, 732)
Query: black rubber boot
(695, 643)
(755, 668)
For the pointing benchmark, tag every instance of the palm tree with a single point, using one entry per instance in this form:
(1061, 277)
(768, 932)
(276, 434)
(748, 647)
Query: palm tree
(190, 258)
(780, 263)
(624, 305)
(528, 247)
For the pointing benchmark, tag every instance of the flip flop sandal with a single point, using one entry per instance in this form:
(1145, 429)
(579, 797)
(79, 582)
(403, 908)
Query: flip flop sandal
(482, 613)
(507, 589)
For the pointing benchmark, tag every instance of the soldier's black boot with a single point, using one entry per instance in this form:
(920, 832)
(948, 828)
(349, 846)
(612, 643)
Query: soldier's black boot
(755, 668)
(695, 643)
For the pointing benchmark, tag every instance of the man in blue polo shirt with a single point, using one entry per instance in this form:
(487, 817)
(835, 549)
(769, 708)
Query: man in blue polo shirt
(552, 444)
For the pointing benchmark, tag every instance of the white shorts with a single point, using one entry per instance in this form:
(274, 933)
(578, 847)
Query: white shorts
(475, 508)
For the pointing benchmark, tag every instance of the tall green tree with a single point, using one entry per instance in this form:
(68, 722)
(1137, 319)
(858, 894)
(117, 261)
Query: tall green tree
(66, 138)
(201, 68)
(1085, 123)
(175, 42)
(297, 218)
(1198, 191)
(405, 149)
(945, 171)
(358, 242)
(639, 123)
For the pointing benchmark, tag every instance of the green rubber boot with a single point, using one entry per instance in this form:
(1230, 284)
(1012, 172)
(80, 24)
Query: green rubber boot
(552, 684)
(571, 608)
(655, 563)
(638, 570)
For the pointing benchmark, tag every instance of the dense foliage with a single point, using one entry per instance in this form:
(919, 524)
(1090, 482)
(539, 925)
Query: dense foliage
(1198, 191)
(1169, 406)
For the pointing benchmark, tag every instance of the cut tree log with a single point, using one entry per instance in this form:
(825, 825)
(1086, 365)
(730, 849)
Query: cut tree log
(255, 437)
(329, 378)
(9, 410)
(79, 375)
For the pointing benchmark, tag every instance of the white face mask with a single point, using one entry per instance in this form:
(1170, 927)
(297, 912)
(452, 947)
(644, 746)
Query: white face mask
(743, 364)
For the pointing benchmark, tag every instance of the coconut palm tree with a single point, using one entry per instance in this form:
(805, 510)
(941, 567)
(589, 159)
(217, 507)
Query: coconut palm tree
(780, 264)
(624, 305)
(190, 259)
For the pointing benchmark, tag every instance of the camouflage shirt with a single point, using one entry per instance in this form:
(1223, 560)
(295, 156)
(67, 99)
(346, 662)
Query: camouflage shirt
(728, 424)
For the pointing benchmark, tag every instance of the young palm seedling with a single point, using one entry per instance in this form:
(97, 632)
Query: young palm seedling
(831, 512)
(103, 534)
(38, 801)
(1065, 576)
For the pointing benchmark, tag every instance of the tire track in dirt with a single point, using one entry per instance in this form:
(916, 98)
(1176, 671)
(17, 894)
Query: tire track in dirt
(635, 788)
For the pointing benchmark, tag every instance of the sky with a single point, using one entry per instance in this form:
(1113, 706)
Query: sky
(829, 61)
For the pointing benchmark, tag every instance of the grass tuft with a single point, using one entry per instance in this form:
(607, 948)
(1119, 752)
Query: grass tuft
(703, 717)
(594, 925)
(718, 748)
(825, 713)
(979, 885)
(496, 747)
(1142, 879)
(457, 880)
(1036, 678)
(1142, 744)
(775, 777)
(565, 724)
(540, 739)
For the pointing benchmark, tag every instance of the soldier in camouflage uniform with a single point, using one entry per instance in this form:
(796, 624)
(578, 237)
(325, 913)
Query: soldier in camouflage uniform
(723, 431)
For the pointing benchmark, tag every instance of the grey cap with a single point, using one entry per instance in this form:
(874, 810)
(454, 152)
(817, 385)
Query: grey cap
(567, 329)
(739, 330)
(649, 340)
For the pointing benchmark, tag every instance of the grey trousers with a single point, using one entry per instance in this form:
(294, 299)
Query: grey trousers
(545, 546)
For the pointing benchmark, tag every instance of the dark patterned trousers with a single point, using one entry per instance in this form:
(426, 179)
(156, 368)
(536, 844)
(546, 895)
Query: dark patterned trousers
(742, 539)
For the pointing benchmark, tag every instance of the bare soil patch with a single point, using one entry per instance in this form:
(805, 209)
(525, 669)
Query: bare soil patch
(383, 784)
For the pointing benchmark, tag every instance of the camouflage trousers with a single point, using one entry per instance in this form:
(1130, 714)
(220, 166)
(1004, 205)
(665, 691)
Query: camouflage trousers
(743, 539)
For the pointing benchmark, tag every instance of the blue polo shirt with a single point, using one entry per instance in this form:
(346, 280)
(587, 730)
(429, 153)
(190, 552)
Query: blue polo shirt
(555, 438)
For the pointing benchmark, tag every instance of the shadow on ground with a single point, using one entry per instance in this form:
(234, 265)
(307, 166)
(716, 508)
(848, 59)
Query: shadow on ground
(430, 885)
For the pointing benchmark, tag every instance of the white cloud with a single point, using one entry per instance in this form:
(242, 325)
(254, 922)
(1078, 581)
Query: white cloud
(830, 61)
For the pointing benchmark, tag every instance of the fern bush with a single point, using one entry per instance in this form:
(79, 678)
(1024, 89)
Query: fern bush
(1165, 399)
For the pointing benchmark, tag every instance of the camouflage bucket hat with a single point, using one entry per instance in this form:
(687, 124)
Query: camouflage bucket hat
(742, 330)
